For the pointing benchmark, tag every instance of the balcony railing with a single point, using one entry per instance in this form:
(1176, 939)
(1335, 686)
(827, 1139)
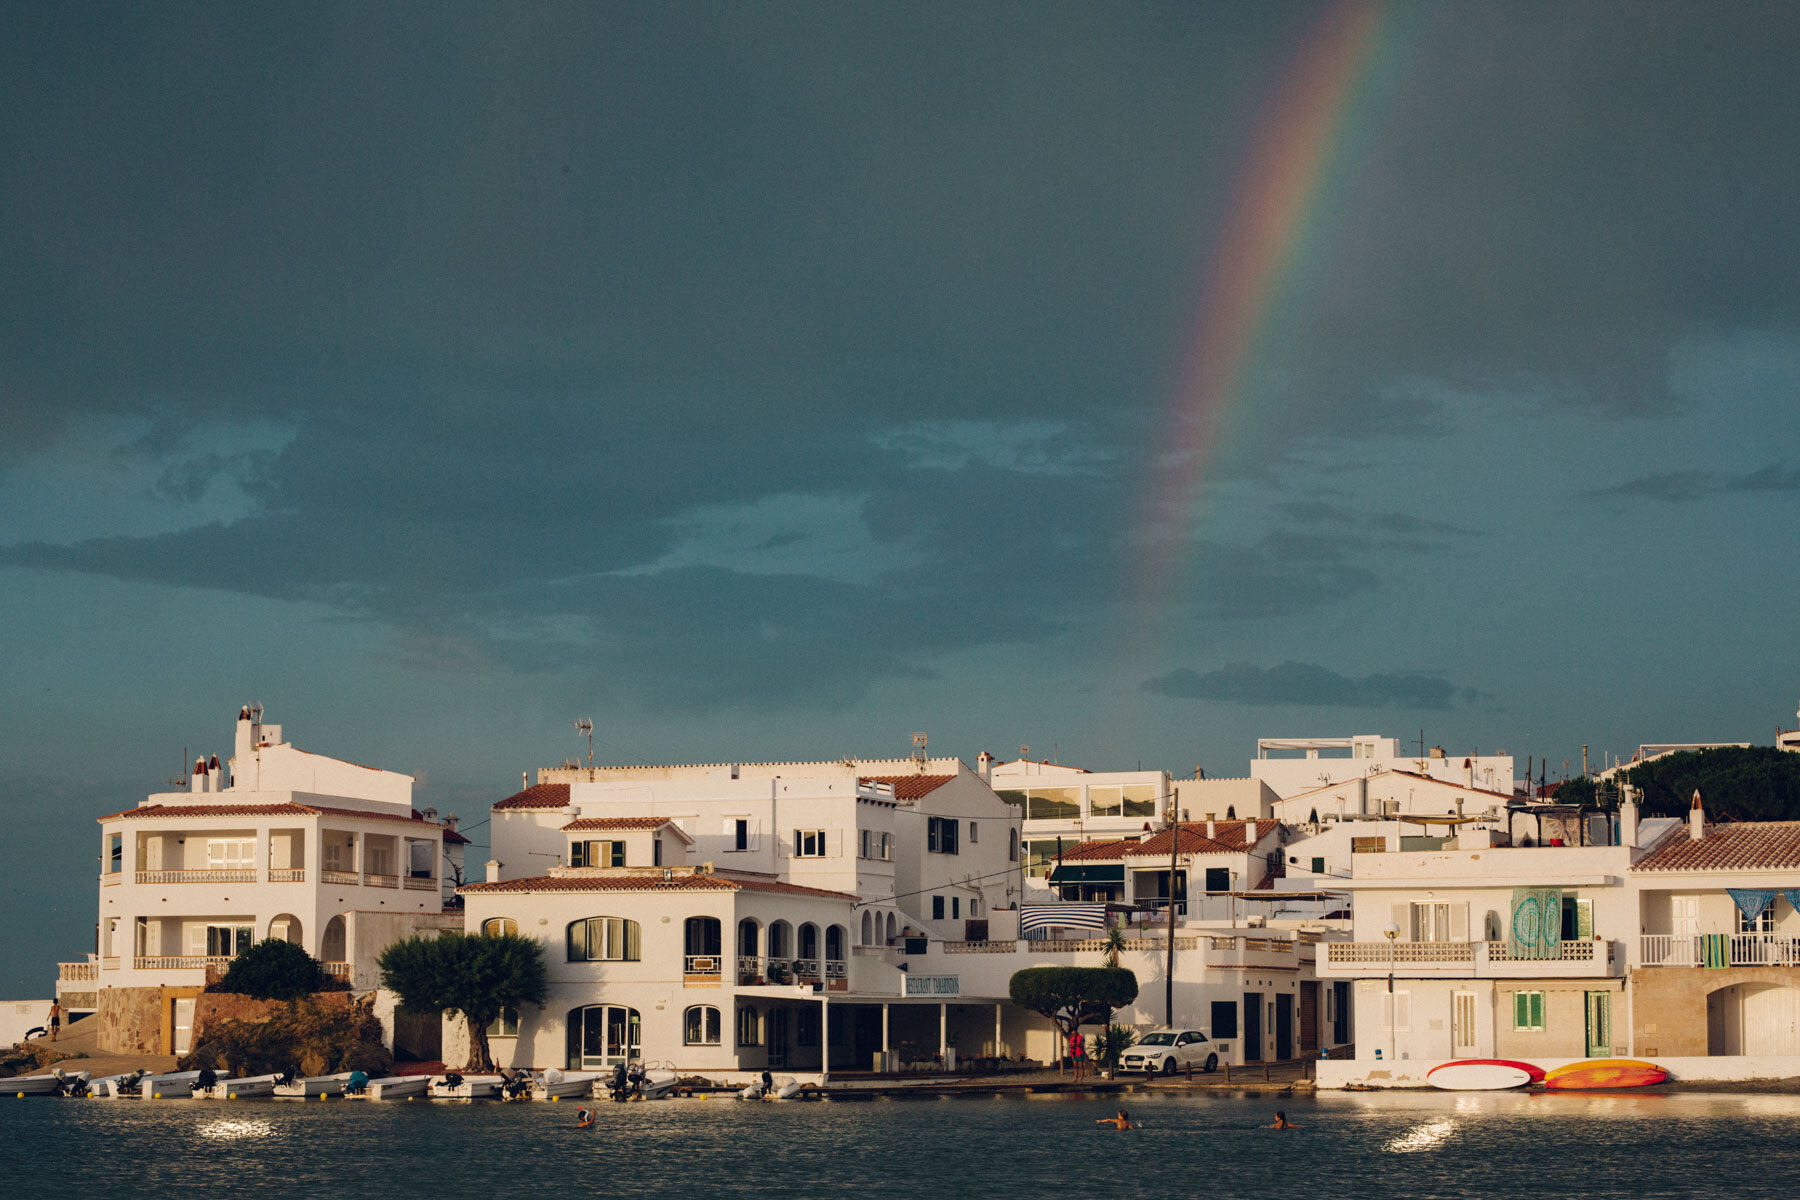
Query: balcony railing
(1457, 958)
(180, 962)
(421, 883)
(330, 876)
(337, 970)
(1719, 950)
(287, 874)
(217, 875)
(78, 972)
(933, 985)
(371, 879)
(109, 962)
(1005, 947)
(806, 968)
(703, 964)
(749, 968)
(1081, 945)
(836, 968)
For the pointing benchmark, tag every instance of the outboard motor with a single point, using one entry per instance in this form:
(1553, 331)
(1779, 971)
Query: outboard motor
(452, 1079)
(291, 1075)
(618, 1083)
(205, 1079)
(514, 1084)
(129, 1085)
(357, 1083)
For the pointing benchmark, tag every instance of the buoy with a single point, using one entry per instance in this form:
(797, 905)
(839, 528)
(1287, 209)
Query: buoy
(553, 1099)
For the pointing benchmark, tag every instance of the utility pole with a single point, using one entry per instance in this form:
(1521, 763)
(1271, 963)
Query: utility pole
(1584, 769)
(1169, 976)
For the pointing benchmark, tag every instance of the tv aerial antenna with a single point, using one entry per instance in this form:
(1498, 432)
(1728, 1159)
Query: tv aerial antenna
(585, 728)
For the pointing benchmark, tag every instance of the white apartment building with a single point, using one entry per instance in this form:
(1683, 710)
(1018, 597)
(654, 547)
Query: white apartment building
(278, 842)
(1063, 806)
(1293, 765)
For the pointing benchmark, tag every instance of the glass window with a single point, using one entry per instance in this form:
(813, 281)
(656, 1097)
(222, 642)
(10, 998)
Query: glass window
(230, 854)
(115, 853)
(1218, 879)
(809, 843)
(955, 908)
(703, 937)
(1040, 856)
(1528, 1011)
(1140, 800)
(597, 854)
(227, 941)
(749, 1026)
(603, 1035)
(942, 835)
(505, 1025)
(1763, 923)
(1012, 845)
(1224, 1019)
(603, 939)
(1054, 803)
(701, 1026)
(1016, 799)
(1104, 801)
(494, 926)
(740, 839)
(937, 908)
(806, 1026)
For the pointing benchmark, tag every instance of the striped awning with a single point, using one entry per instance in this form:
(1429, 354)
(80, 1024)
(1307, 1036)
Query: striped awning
(1061, 916)
(1088, 873)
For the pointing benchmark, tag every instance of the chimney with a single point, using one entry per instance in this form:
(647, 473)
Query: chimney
(217, 773)
(1696, 818)
(493, 869)
(984, 766)
(1468, 772)
(1209, 826)
(1628, 817)
(197, 782)
(429, 814)
(450, 820)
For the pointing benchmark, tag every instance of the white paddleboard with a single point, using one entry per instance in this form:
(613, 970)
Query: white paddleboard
(1476, 1077)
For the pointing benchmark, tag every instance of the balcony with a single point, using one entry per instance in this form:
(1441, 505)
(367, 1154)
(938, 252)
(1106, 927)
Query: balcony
(370, 879)
(77, 972)
(1461, 960)
(216, 875)
(703, 969)
(180, 962)
(350, 878)
(337, 970)
(421, 883)
(1719, 950)
(749, 968)
(287, 875)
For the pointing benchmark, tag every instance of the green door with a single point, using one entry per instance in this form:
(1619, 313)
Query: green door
(1599, 1024)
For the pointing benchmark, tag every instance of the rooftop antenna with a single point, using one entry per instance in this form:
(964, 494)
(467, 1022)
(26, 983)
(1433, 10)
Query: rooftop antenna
(183, 780)
(585, 726)
(1024, 751)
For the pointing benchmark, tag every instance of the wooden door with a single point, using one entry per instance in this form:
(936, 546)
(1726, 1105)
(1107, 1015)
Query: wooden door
(1309, 1018)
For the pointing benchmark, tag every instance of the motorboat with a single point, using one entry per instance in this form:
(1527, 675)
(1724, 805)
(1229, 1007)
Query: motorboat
(50, 1084)
(772, 1087)
(786, 1088)
(172, 1085)
(557, 1084)
(114, 1087)
(455, 1086)
(306, 1087)
(250, 1087)
(759, 1088)
(658, 1084)
(639, 1081)
(391, 1087)
(73, 1083)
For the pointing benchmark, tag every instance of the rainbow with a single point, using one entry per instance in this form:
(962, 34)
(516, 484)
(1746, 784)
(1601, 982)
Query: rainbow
(1274, 210)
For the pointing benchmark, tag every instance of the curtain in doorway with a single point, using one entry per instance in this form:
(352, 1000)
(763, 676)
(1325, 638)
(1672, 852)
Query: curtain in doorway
(1535, 930)
(1753, 902)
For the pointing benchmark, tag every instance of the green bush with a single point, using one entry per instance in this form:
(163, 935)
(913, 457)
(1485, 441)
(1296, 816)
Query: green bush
(273, 969)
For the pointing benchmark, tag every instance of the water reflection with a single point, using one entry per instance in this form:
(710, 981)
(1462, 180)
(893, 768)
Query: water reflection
(1428, 1136)
(232, 1131)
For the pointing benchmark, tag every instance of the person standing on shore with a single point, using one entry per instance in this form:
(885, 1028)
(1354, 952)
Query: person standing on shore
(1077, 1052)
(55, 1019)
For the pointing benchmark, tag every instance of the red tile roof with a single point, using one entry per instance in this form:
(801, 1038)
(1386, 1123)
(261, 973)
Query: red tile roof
(1228, 837)
(911, 787)
(197, 811)
(583, 824)
(649, 881)
(538, 795)
(1735, 846)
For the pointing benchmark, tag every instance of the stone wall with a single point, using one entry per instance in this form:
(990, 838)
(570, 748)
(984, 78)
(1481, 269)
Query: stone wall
(228, 1006)
(1669, 1014)
(131, 1020)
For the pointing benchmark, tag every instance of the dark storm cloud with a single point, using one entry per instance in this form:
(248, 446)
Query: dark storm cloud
(1675, 487)
(531, 286)
(1304, 684)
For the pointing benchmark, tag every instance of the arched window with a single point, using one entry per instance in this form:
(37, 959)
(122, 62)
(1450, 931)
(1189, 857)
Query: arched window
(748, 935)
(703, 936)
(603, 1035)
(780, 940)
(1231, 812)
(749, 1025)
(495, 926)
(868, 928)
(893, 928)
(331, 946)
(834, 943)
(1012, 847)
(603, 939)
(700, 1027)
(809, 941)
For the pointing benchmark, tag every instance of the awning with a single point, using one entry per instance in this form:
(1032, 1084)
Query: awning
(1089, 873)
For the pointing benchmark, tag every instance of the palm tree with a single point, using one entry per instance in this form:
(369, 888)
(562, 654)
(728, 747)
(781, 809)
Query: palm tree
(1113, 945)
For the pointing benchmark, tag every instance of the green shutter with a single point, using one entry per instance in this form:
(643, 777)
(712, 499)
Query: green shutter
(631, 941)
(1584, 920)
(1537, 1010)
(1521, 1010)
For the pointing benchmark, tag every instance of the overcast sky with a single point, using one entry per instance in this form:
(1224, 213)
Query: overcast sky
(773, 381)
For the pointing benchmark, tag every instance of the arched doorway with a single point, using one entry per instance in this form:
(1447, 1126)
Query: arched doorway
(331, 946)
(868, 928)
(603, 1035)
(1753, 1018)
(286, 927)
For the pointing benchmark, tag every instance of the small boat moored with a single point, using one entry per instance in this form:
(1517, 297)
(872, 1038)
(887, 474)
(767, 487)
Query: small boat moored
(173, 1085)
(453, 1085)
(1481, 1075)
(291, 1086)
(390, 1087)
(556, 1084)
(250, 1087)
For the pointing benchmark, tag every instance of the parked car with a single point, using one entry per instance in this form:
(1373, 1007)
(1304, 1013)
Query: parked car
(1170, 1050)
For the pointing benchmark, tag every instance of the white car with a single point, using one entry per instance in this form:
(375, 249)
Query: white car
(1170, 1050)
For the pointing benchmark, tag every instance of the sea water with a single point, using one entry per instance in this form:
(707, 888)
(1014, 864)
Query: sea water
(1396, 1146)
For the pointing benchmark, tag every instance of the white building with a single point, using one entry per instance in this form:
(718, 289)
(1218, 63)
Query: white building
(324, 853)
(1063, 806)
(1293, 765)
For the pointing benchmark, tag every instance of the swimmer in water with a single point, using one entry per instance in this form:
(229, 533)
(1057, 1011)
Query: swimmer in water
(1119, 1122)
(1281, 1121)
(583, 1118)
